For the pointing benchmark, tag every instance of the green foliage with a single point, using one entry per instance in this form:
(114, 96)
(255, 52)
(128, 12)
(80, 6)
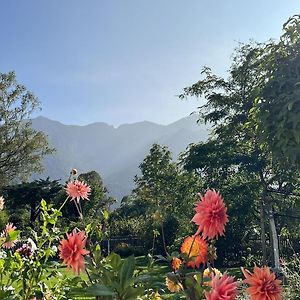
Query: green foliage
(3, 218)
(278, 107)
(21, 147)
(125, 250)
(291, 271)
(114, 278)
(29, 273)
(98, 200)
(163, 201)
(249, 123)
(95, 209)
(22, 200)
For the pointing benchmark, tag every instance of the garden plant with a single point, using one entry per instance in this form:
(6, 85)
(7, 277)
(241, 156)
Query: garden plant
(31, 262)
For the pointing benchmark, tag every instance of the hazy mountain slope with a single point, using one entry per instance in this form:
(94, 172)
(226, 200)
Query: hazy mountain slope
(113, 152)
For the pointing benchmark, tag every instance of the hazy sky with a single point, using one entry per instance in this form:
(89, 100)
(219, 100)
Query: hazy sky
(125, 61)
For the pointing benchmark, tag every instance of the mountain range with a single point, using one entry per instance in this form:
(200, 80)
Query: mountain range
(115, 153)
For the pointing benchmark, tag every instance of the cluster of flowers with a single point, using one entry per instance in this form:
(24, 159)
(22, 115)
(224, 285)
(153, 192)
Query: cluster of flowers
(71, 249)
(197, 251)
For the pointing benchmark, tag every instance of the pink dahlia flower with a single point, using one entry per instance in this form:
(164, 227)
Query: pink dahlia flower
(211, 215)
(78, 190)
(224, 288)
(263, 284)
(73, 249)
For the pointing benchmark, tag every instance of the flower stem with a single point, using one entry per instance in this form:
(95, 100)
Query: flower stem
(63, 204)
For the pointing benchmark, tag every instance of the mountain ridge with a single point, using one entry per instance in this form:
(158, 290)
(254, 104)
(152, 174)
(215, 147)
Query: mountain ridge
(114, 152)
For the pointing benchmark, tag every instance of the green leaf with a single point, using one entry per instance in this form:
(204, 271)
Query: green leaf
(99, 290)
(88, 228)
(127, 270)
(115, 260)
(105, 214)
(13, 235)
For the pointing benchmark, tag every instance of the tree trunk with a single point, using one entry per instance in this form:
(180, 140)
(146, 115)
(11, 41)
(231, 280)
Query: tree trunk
(275, 244)
(263, 233)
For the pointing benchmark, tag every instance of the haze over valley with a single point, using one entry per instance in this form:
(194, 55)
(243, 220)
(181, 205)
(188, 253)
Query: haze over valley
(115, 153)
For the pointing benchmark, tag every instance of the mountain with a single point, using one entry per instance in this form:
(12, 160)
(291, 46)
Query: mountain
(113, 152)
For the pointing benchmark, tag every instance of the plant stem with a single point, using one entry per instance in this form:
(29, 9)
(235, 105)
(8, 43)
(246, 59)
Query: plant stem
(63, 204)
(88, 274)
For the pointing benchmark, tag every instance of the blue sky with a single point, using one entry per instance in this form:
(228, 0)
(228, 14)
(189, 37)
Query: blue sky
(125, 61)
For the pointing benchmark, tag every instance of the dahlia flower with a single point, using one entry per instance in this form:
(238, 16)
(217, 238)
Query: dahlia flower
(176, 263)
(224, 288)
(211, 215)
(172, 286)
(263, 284)
(210, 272)
(78, 190)
(9, 235)
(25, 251)
(73, 249)
(195, 247)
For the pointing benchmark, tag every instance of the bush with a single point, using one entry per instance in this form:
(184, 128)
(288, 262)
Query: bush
(291, 271)
(125, 250)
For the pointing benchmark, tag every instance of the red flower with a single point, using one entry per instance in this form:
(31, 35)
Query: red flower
(224, 288)
(72, 250)
(195, 247)
(263, 284)
(211, 215)
(78, 189)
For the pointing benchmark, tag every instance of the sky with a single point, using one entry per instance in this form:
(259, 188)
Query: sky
(124, 61)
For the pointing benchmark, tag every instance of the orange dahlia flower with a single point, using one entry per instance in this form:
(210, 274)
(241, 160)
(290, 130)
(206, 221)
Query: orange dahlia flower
(176, 263)
(211, 215)
(195, 247)
(224, 288)
(72, 250)
(263, 284)
(78, 190)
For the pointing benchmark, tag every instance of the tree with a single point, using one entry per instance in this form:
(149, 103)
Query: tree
(278, 107)
(99, 200)
(27, 196)
(21, 147)
(164, 196)
(236, 143)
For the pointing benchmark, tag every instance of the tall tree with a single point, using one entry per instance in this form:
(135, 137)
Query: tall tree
(167, 193)
(278, 107)
(21, 147)
(99, 199)
(236, 141)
